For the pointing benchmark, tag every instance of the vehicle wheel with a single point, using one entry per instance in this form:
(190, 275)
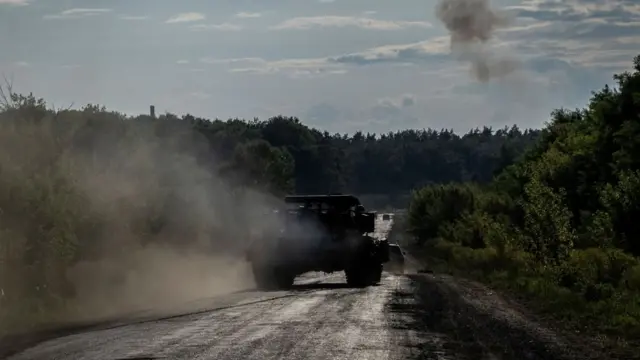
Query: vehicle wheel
(369, 274)
(376, 274)
(284, 279)
(268, 278)
(355, 277)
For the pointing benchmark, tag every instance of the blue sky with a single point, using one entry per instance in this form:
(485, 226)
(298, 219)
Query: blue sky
(342, 65)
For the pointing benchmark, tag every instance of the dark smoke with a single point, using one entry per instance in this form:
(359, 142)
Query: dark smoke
(471, 24)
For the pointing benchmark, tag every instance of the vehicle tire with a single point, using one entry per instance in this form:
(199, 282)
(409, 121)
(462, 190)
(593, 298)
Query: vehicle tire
(284, 279)
(364, 275)
(267, 278)
(355, 277)
(376, 274)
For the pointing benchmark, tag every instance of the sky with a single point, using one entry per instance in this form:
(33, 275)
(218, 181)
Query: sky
(338, 65)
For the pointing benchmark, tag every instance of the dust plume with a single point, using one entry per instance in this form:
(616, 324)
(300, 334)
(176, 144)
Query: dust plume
(153, 278)
(103, 215)
(471, 25)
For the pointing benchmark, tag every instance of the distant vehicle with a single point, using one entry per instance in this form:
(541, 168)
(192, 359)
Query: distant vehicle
(396, 259)
(386, 217)
(325, 233)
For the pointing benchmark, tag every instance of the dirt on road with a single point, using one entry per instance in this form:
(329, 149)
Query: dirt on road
(421, 316)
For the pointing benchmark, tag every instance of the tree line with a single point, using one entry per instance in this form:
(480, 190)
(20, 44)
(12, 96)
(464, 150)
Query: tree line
(561, 223)
(364, 163)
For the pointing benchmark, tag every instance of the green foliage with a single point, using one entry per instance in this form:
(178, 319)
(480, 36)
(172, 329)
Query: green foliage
(622, 202)
(561, 223)
(267, 167)
(546, 223)
(434, 206)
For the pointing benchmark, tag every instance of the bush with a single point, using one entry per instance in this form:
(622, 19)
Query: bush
(433, 206)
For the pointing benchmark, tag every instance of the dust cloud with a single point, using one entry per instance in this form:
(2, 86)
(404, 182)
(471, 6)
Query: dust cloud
(118, 219)
(199, 252)
(152, 278)
(471, 25)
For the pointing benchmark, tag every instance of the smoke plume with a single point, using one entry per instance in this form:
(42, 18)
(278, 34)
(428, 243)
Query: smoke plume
(471, 24)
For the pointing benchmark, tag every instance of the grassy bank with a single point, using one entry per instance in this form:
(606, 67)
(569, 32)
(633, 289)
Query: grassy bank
(595, 309)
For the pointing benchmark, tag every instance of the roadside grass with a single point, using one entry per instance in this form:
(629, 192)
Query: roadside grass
(582, 296)
(29, 315)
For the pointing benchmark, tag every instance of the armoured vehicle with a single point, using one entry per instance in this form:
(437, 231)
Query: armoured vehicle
(326, 233)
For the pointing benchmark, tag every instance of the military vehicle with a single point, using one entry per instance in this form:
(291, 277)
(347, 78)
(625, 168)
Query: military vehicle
(326, 233)
(396, 262)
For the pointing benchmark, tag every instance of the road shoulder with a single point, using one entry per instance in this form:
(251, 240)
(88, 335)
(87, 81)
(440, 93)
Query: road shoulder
(478, 320)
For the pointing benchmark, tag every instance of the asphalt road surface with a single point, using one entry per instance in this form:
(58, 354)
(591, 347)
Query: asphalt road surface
(405, 317)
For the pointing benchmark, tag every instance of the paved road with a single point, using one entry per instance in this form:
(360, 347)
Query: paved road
(405, 317)
(320, 319)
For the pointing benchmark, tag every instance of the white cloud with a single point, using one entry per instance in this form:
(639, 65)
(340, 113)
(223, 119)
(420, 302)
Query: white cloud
(402, 53)
(403, 101)
(412, 53)
(186, 17)
(216, 27)
(200, 95)
(133, 17)
(77, 13)
(309, 22)
(14, 2)
(182, 62)
(393, 109)
(22, 64)
(293, 67)
(248, 60)
(589, 33)
(326, 1)
(248, 15)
